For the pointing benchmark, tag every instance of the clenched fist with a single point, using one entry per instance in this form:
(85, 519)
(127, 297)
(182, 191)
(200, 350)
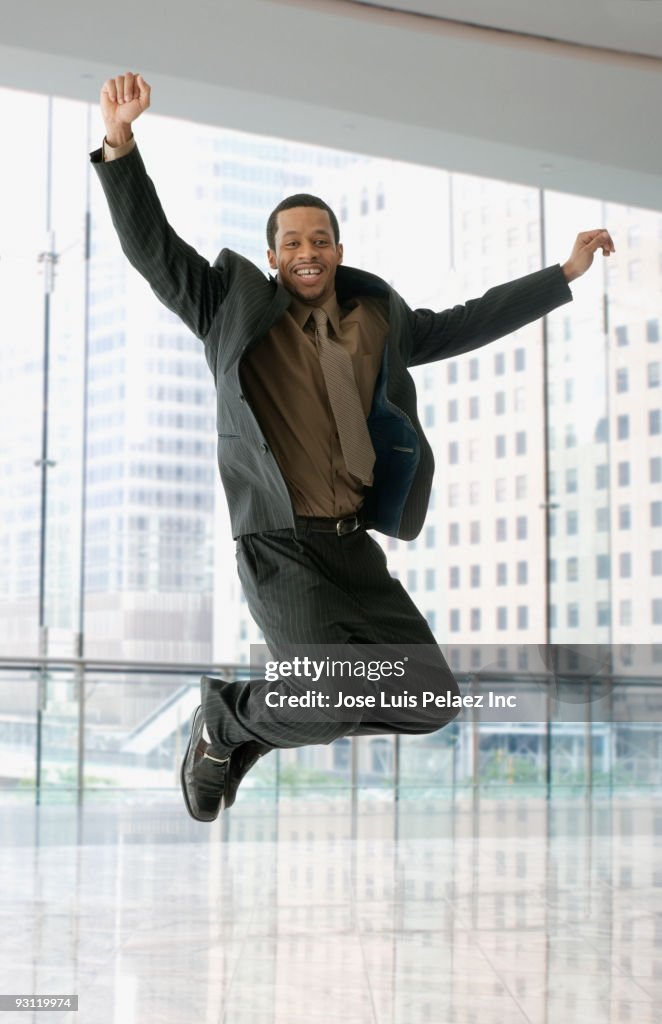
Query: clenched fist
(123, 99)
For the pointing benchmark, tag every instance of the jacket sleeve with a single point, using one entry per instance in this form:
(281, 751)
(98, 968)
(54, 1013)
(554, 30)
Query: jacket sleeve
(178, 275)
(500, 311)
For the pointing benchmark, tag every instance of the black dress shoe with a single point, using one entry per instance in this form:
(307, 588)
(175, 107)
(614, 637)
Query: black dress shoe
(204, 778)
(241, 762)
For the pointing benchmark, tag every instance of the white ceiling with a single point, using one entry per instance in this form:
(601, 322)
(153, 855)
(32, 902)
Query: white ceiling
(629, 26)
(562, 96)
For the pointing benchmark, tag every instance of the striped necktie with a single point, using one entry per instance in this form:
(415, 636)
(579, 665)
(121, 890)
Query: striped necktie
(345, 401)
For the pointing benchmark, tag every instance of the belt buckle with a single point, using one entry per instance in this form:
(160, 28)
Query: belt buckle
(350, 528)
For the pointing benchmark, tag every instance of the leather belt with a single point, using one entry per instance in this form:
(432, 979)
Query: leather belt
(322, 524)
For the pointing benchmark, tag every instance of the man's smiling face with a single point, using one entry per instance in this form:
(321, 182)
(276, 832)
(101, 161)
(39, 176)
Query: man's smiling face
(306, 254)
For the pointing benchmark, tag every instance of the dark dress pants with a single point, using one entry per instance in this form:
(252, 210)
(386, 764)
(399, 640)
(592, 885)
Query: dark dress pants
(308, 588)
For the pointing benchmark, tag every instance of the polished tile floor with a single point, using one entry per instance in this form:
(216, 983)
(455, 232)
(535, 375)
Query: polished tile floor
(160, 921)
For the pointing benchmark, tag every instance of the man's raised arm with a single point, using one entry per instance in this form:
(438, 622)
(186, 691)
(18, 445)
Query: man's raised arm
(178, 275)
(504, 308)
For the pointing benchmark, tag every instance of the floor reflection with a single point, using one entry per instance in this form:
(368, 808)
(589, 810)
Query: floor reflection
(183, 923)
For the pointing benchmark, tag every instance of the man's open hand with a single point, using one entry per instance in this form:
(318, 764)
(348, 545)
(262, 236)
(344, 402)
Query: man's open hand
(123, 99)
(582, 254)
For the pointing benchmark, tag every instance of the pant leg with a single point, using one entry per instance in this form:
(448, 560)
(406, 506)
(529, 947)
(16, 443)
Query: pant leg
(329, 593)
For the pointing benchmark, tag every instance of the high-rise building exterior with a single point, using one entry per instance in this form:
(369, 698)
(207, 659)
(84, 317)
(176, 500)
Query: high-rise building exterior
(518, 547)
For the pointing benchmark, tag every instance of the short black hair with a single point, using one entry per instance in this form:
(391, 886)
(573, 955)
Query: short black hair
(301, 199)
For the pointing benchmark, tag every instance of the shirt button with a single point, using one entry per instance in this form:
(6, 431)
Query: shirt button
(242, 398)
(264, 448)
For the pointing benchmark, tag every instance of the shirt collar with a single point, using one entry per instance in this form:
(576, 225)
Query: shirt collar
(301, 312)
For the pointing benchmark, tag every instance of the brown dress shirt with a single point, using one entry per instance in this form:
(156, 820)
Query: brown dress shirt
(283, 381)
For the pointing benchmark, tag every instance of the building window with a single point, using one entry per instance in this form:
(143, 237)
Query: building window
(522, 616)
(623, 474)
(656, 611)
(551, 570)
(454, 620)
(453, 533)
(501, 528)
(454, 577)
(501, 574)
(502, 618)
(474, 531)
(520, 442)
(625, 565)
(653, 371)
(499, 402)
(570, 436)
(429, 536)
(522, 527)
(453, 452)
(601, 476)
(602, 519)
(656, 563)
(520, 486)
(571, 480)
(571, 523)
(623, 428)
(572, 569)
(452, 410)
(500, 488)
(473, 408)
(475, 619)
(429, 579)
(625, 613)
(602, 567)
(573, 616)
(429, 415)
(624, 517)
(621, 380)
(522, 572)
(655, 470)
(622, 335)
(473, 369)
(603, 615)
(451, 373)
(475, 575)
(500, 446)
(453, 494)
(520, 361)
(654, 421)
(652, 330)
(656, 513)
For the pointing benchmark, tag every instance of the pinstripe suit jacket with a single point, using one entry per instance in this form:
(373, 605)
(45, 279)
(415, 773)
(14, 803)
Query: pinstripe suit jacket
(231, 305)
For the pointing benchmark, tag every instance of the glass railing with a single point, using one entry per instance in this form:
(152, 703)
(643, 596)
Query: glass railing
(74, 731)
